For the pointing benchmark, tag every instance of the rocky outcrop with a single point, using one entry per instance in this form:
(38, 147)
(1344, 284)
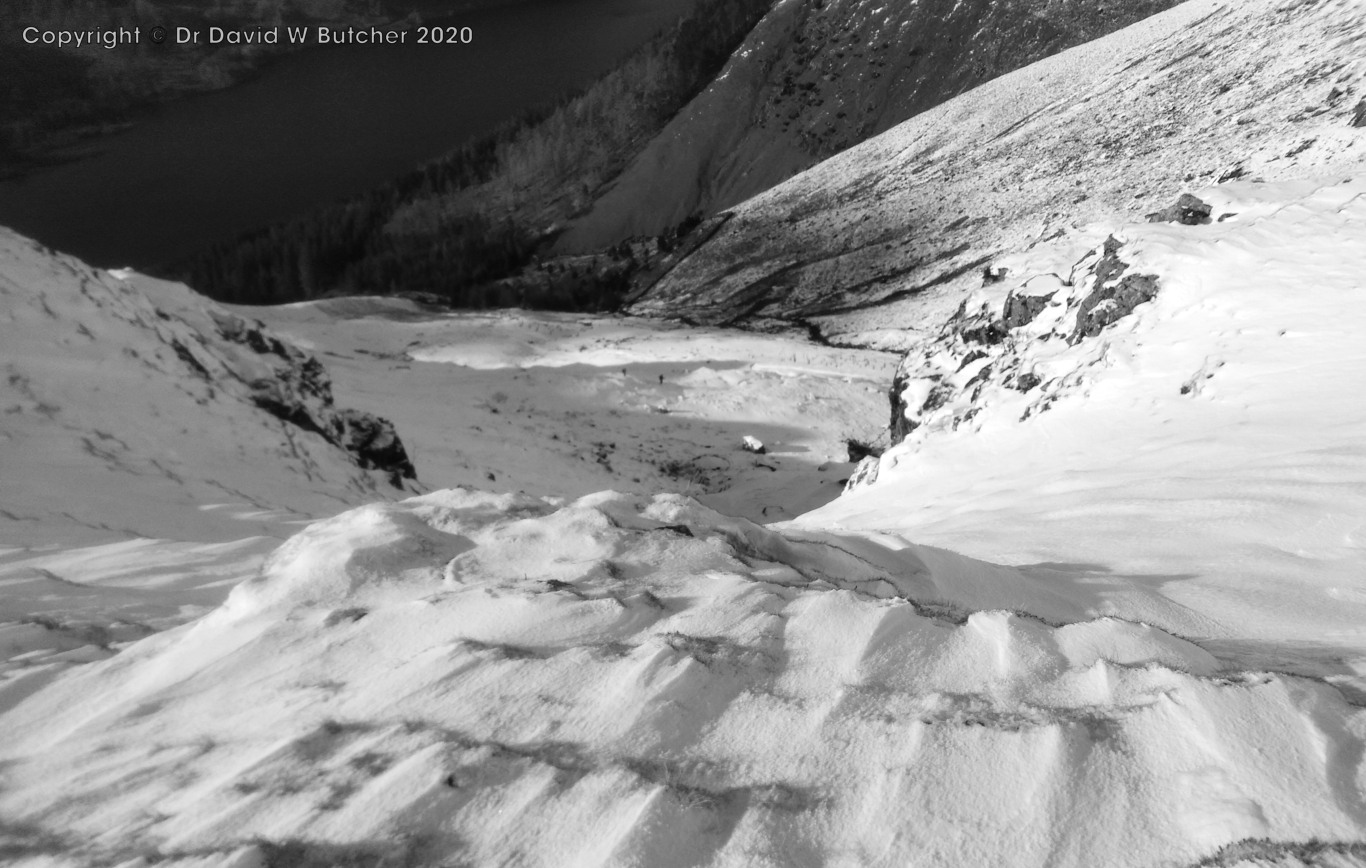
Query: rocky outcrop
(1188, 210)
(999, 339)
(1022, 308)
(1111, 303)
(1115, 295)
(295, 387)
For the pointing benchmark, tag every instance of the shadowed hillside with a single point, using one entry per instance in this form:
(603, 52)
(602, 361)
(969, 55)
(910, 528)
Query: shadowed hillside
(738, 98)
(481, 212)
(819, 76)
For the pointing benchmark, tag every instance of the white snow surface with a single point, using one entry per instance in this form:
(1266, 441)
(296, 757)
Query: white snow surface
(101, 402)
(1208, 445)
(1113, 617)
(623, 681)
(1148, 651)
(565, 405)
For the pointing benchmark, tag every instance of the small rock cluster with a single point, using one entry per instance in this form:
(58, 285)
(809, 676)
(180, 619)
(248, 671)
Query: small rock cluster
(1006, 338)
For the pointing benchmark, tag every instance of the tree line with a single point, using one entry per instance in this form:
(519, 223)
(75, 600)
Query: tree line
(480, 214)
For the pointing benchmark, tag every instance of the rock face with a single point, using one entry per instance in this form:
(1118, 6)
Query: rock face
(1115, 295)
(299, 391)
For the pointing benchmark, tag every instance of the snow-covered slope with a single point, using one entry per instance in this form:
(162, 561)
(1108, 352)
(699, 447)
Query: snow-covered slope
(100, 550)
(1109, 130)
(817, 76)
(1104, 605)
(1208, 443)
(120, 389)
(153, 449)
(1171, 674)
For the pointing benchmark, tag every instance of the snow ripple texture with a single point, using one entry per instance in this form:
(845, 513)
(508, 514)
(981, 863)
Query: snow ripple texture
(475, 679)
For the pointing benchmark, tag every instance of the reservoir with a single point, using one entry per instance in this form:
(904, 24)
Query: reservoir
(319, 125)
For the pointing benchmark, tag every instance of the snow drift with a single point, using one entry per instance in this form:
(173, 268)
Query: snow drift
(617, 681)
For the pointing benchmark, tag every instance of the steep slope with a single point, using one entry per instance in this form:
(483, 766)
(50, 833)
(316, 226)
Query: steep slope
(735, 98)
(815, 78)
(134, 408)
(1199, 437)
(480, 212)
(905, 223)
(1151, 422)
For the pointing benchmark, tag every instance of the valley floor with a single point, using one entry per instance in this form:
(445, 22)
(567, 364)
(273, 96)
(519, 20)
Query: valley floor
(550, 405)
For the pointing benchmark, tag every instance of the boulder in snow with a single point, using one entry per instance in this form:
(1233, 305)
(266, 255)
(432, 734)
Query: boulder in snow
(1188, 211)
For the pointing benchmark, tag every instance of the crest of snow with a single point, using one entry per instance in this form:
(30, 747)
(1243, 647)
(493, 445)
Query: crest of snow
(1207, 438)
(628, 681)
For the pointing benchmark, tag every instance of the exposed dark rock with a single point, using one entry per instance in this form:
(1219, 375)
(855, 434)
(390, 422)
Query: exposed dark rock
(1022, 309)
(938, 397)
(1109, 266)
(864, 474)
(184, 354)
(900, 426)
(1025, 382)
(294, 386)
(993, 275)
(979, 377)
(374, 443)
(1107, 304)
(858, 450)
(971, 357)
(1233, 174)
(1188, 210)
(981, 329)
(1359, 114)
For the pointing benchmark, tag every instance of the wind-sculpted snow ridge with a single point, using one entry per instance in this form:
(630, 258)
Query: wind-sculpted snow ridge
(127, 389)
(475, 679)
(877, 244)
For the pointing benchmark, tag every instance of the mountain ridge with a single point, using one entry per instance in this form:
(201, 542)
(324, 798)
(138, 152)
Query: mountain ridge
(625, 147)
(879, 243)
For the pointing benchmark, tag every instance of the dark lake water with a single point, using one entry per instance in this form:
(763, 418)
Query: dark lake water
(317, 126)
